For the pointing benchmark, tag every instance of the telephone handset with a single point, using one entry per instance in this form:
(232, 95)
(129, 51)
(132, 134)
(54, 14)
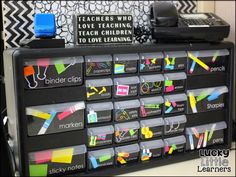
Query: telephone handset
(167, 24)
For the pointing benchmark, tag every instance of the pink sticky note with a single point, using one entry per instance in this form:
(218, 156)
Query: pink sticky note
(122, 90)
(43, 157)
(173, 104)
(167, 148)
(147, 62)
(170, 88)
(43, 62)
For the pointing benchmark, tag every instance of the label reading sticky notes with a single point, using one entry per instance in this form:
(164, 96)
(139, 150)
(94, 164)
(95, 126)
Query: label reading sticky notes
(62, 156)
(122, 90)
(60, 67)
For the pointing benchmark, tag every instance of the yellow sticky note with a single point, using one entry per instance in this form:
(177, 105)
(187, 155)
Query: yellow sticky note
(168, 104)
(62, 156)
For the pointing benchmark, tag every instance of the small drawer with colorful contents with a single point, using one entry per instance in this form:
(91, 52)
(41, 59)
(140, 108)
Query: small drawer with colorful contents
(151, 149)
(55, 118)
(151, 62)
(100, 136)
(174, 145)
(125, 63)
(175, 61)
(175, 103)
(98, 89)
(100, 158)
(205, 135)
(151, 106)
(151, 84)
(207, 61)
(126, 110)
(175, 82)
(151, 128)
(53, 72)
(207, 99)
(98, 65)
(126, 86)
(59, 161)
(99, 112)
(127, 154)
(126, 132)
(175, 124)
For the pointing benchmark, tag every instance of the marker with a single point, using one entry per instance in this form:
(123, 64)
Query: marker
(211, 132)
(215, 94)
(205, 138)
(39, 114)
(47, 124)
(215, 56)
(192, 67)
(191, 141)
(198, 61)
(200, 141)
(192, 102)
(70, 111)
(202, 95)
(195, 132)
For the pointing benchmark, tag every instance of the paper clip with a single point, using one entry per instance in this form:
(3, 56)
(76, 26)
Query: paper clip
(29, 73)
(200, 141)
(43, 64)
(211, 132)
(205, 138)
(70, 111)
(47, 124)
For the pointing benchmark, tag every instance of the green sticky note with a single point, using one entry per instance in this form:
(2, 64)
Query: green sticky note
(168, 83)
(104, 158)
(60, 67)
(173, 61)
(174, 146)
(38, 170)
(131, 132)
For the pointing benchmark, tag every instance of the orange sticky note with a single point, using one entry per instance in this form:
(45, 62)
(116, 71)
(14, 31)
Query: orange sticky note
(28, 70)
(62, 156)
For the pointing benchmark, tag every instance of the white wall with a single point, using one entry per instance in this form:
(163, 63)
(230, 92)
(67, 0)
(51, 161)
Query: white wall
(226, 10)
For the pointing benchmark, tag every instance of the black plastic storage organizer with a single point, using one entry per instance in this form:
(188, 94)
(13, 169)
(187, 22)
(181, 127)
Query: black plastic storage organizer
(106, 110)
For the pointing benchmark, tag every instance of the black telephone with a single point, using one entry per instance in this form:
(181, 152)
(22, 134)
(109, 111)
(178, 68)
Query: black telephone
(168, 25)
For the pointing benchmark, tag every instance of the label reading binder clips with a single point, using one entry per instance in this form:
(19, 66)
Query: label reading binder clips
(52, 72)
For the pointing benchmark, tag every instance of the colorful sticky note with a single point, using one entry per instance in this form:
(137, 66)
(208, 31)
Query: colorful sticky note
(62, 156)
(169, 110)
(170, 89)
(122, 90)
(173, 104)
(168, 83)
(142, 66)
(38, 170)
(28, 71)
(93, 162)
(42, 157)
(119, 68)
(131, 132)
(167, 103)
(43, 62)
(104, 158)
(60, 67)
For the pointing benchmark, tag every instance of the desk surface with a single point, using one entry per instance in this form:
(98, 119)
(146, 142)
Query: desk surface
(187, 168)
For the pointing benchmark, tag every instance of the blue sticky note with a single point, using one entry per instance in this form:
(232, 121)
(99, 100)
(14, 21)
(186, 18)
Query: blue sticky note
(93, 162)
(169, 109)
(142, 66)
(44, 25)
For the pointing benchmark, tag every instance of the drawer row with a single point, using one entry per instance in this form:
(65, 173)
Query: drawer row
(68, 71)
(47, 119)
(78, 158)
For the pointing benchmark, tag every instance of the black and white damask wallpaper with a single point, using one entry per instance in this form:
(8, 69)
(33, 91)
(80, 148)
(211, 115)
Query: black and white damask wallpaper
(18, 16)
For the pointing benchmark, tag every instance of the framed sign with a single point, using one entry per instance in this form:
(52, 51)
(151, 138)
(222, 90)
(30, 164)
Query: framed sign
(103, 29)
